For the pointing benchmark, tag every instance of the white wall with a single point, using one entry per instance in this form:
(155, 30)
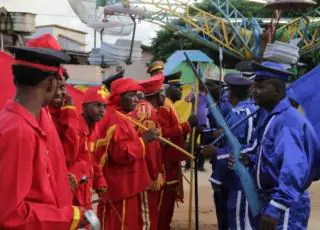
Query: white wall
(75, 43)
(68, 44)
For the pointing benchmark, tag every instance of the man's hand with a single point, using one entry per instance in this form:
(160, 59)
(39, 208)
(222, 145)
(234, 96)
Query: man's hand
(193, 121)
(150, 135)
(102, 190)
(231, 162)
(267, 223)
(217, 133)
(72, 182)
(244, 158)
(209, 151)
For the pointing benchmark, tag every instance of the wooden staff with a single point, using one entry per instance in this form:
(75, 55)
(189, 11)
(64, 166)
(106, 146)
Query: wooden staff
(186, 179)
(192, 168)
(114, 209)
(162, 139)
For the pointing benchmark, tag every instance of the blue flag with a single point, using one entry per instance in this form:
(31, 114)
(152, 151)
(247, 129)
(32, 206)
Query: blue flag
(306, 91)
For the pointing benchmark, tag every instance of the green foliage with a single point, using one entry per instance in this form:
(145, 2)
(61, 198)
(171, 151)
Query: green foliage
(249, 9)
(166, 43)
(311, 60)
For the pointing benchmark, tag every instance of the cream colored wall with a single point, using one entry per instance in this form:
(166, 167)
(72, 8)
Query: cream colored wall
(84, 73)
(94, 74)
(56, 31)
(137, 70)
(79, 37)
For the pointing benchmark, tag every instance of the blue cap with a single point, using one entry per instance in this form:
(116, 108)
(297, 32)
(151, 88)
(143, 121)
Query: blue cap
(270, 70)
(236, 79)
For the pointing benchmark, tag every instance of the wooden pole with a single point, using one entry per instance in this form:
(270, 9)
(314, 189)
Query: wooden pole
(162, 139)
(193, 142)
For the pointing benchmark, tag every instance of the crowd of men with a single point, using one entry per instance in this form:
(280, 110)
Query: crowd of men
(52, 159)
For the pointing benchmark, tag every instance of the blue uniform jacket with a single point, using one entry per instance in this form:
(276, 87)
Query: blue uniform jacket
(246, 136)
(287, 150)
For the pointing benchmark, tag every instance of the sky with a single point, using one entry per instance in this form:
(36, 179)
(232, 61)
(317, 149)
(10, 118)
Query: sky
(60, 12)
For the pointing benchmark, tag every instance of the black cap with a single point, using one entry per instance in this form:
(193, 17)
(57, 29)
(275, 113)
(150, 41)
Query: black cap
(236, 79)
(244, 66)
(173, 79)
(211, 81)
(43, 56)
(107, 82)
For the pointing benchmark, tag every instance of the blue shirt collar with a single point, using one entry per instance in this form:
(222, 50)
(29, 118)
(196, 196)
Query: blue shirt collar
(281, 106)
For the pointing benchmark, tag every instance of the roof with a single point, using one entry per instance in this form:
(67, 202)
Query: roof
(73, 40)
(62, 27)
(178, 57)
(77, 53)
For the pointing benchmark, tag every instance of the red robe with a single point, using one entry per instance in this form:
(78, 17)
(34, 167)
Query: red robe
(86, 165)
(176, 132)
(35, 193)
(147, 115)
(67, 124)
(121, 153)
(79, 145)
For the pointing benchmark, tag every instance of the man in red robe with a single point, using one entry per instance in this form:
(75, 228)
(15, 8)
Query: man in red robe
(147, 115)
(66, 120)
(176, 131)
(86, 170)
(61, 107)
(170, 128)
(34, 191)
(121, 152)
(51, 116)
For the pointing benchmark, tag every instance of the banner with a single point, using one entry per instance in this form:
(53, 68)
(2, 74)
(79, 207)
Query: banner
(8, 89)
(306, 92)
(6, 79)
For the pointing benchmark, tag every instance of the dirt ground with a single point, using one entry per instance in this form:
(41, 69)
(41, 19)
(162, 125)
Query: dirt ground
(207, 217)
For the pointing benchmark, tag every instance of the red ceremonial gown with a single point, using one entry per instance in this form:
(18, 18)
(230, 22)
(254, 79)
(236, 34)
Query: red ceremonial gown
(66, 120)
(79, 145)
(176, 132)
(121, 153)
(146, 115)
(86, 165)
(34, 191)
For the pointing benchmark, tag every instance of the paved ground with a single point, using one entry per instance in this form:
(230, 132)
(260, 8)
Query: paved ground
(207, 218)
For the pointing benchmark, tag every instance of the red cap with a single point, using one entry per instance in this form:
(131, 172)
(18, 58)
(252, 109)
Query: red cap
(121, 86)
(95, 94)
(153, 85)
(44, 41)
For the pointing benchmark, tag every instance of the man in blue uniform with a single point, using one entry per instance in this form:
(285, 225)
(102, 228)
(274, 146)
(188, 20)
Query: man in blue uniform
(287, 150)
(241, 107)
(220, 196)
